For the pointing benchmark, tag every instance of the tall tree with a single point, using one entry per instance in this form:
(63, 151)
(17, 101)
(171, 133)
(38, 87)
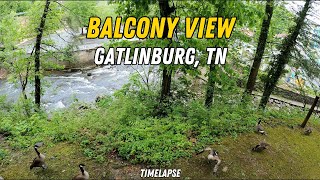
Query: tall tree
(165, 11)
(283, 58)
(210, 86)
(37, 93)
(211, 75)
(13, 58)
(260, 48)
(239, 9)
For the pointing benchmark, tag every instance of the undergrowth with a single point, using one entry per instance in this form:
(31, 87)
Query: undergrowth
(126, 124)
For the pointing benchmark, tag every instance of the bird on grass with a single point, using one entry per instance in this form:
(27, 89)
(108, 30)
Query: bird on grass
(39, 160)
(260, 147)
(213, 157)
(308, 131)
(99, 98)
(259, 128)
(83, 174)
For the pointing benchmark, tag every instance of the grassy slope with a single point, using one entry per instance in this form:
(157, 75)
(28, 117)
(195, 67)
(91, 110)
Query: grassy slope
(291, 155)
(62, 160)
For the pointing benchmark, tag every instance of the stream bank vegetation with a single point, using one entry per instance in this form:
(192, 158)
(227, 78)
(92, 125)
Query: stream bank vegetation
(165, 119)
(128, 124)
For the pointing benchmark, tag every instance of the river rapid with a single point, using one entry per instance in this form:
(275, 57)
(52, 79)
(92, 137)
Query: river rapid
(64, 89)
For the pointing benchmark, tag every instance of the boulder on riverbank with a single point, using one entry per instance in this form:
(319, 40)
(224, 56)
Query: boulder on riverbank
(3, 73)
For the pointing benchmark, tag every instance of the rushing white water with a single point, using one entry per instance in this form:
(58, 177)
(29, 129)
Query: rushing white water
(62, 90)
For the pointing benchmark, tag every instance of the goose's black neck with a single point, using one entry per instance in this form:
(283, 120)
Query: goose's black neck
(36, 149)
(82, 170)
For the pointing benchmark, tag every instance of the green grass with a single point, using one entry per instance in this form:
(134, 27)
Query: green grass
(291, 155)
(126, 127)
(62, 160)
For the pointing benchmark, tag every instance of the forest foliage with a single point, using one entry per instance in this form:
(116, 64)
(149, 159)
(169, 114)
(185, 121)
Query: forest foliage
(202, 105)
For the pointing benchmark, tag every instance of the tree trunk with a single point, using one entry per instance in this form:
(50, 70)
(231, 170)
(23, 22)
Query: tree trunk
(310, 112)
(283, 58)
(210, 86)
(37, 93)
(261, 47)
(166, 83)
(165, 11)
(24, 82)
(212, 73)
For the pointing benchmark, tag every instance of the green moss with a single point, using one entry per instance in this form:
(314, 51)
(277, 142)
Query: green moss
(291, 155)
(62, 160)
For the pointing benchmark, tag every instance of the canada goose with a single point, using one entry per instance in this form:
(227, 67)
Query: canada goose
(83, 107)
(213, 156)
(260, 147)
(308, 131)
(39, 160)
(99, 98)
(83, 175)
(259, 128)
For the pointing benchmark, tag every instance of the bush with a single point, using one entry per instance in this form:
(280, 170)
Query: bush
(126, 124)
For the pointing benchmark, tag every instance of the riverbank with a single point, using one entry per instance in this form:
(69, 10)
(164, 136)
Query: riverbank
(63, 88)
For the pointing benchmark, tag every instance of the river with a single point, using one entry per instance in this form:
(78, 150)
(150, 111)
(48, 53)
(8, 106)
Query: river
(62, 90)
